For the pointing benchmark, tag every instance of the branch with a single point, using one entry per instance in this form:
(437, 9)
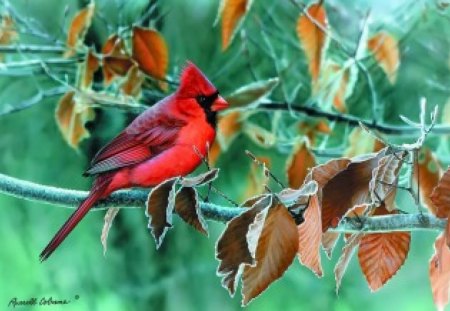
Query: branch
(31, 48)
(72, 198)
(137, 198)
(352, 120)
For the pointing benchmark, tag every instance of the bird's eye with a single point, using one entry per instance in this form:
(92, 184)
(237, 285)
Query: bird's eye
(201, 99)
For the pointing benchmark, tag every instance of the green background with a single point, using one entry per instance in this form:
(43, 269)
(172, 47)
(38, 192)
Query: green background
(182, 274)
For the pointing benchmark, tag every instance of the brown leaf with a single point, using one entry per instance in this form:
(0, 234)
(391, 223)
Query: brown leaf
(201, 179)
(427, 174)
(290, 195)
(228, 126)
(359, 143)
(323, 173)
(232, 12)
(382, 254)
(109, 218)
(160, 205)
(298, 165)
(133, 82)
(340, 95)
(386, 52)
(114, 46)
(72, 113)
(150, 52)
(440, 197)
(256, 179)
(440, 273)
(309, 237)
(383, 186)
(310, 129)
(338, 199)
(117, 65)
(90, 66)
(343, 261)
(329, 240)
(78, 28)
(113, 51)
(188, 208)
(234, 249)
(8, 32)
(312, 37)
(277, 246)
(214, 153)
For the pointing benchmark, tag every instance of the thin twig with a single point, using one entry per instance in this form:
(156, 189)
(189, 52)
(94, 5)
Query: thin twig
(353, 121)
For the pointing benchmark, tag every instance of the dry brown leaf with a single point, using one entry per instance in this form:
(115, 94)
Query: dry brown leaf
(312, 37)
(359, 143)
(109, 218)
(341, 92)
(229, 126)
(114, 46)
(383, 186)
(329, 240)
(188, 208)
(298, 165)
(201, 179)
(232, 12)
(302, 194)
(72, 114)
(159, 209)
(347, 254)
(150, 52)
(78, 28)
(440, 196)
(309, 237)
(233, 249)
(8, 33)
(133, 83)
(427, 174)
(256, 179)
(311, 129)
(117, 65)
(276, 248)
(381, 255)
(439, 270)
(337, 200)
(90, 66)
(214, 153)
(386, 52)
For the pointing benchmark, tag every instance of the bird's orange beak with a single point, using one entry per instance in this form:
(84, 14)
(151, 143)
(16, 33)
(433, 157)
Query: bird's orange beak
(219, 104)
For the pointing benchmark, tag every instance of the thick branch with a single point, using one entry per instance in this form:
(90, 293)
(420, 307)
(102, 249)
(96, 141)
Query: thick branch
(136, 198)
(72, 198)
(352, 120)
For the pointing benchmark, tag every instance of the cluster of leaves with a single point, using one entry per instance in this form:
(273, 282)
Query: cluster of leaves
(122, 70)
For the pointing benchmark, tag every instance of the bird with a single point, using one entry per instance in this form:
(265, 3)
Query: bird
(169, 139)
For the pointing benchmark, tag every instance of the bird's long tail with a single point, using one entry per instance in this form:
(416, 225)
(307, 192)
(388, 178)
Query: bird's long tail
(97, 192)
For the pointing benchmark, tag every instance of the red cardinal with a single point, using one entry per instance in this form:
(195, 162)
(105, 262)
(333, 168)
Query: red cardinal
(165, 141)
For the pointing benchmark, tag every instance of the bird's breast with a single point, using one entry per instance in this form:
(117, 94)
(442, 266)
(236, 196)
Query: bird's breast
(180, 160)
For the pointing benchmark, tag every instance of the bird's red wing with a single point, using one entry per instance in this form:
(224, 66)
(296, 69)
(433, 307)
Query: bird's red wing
(141, 141)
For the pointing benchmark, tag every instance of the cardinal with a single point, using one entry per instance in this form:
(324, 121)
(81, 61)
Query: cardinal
(167, 140)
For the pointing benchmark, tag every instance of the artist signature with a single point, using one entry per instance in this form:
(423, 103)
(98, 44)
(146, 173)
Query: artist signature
(42, 302)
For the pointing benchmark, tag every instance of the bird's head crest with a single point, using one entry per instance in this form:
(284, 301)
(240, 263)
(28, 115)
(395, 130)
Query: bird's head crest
(193, 82)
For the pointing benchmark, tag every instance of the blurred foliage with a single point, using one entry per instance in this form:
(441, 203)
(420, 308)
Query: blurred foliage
(181, 275)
